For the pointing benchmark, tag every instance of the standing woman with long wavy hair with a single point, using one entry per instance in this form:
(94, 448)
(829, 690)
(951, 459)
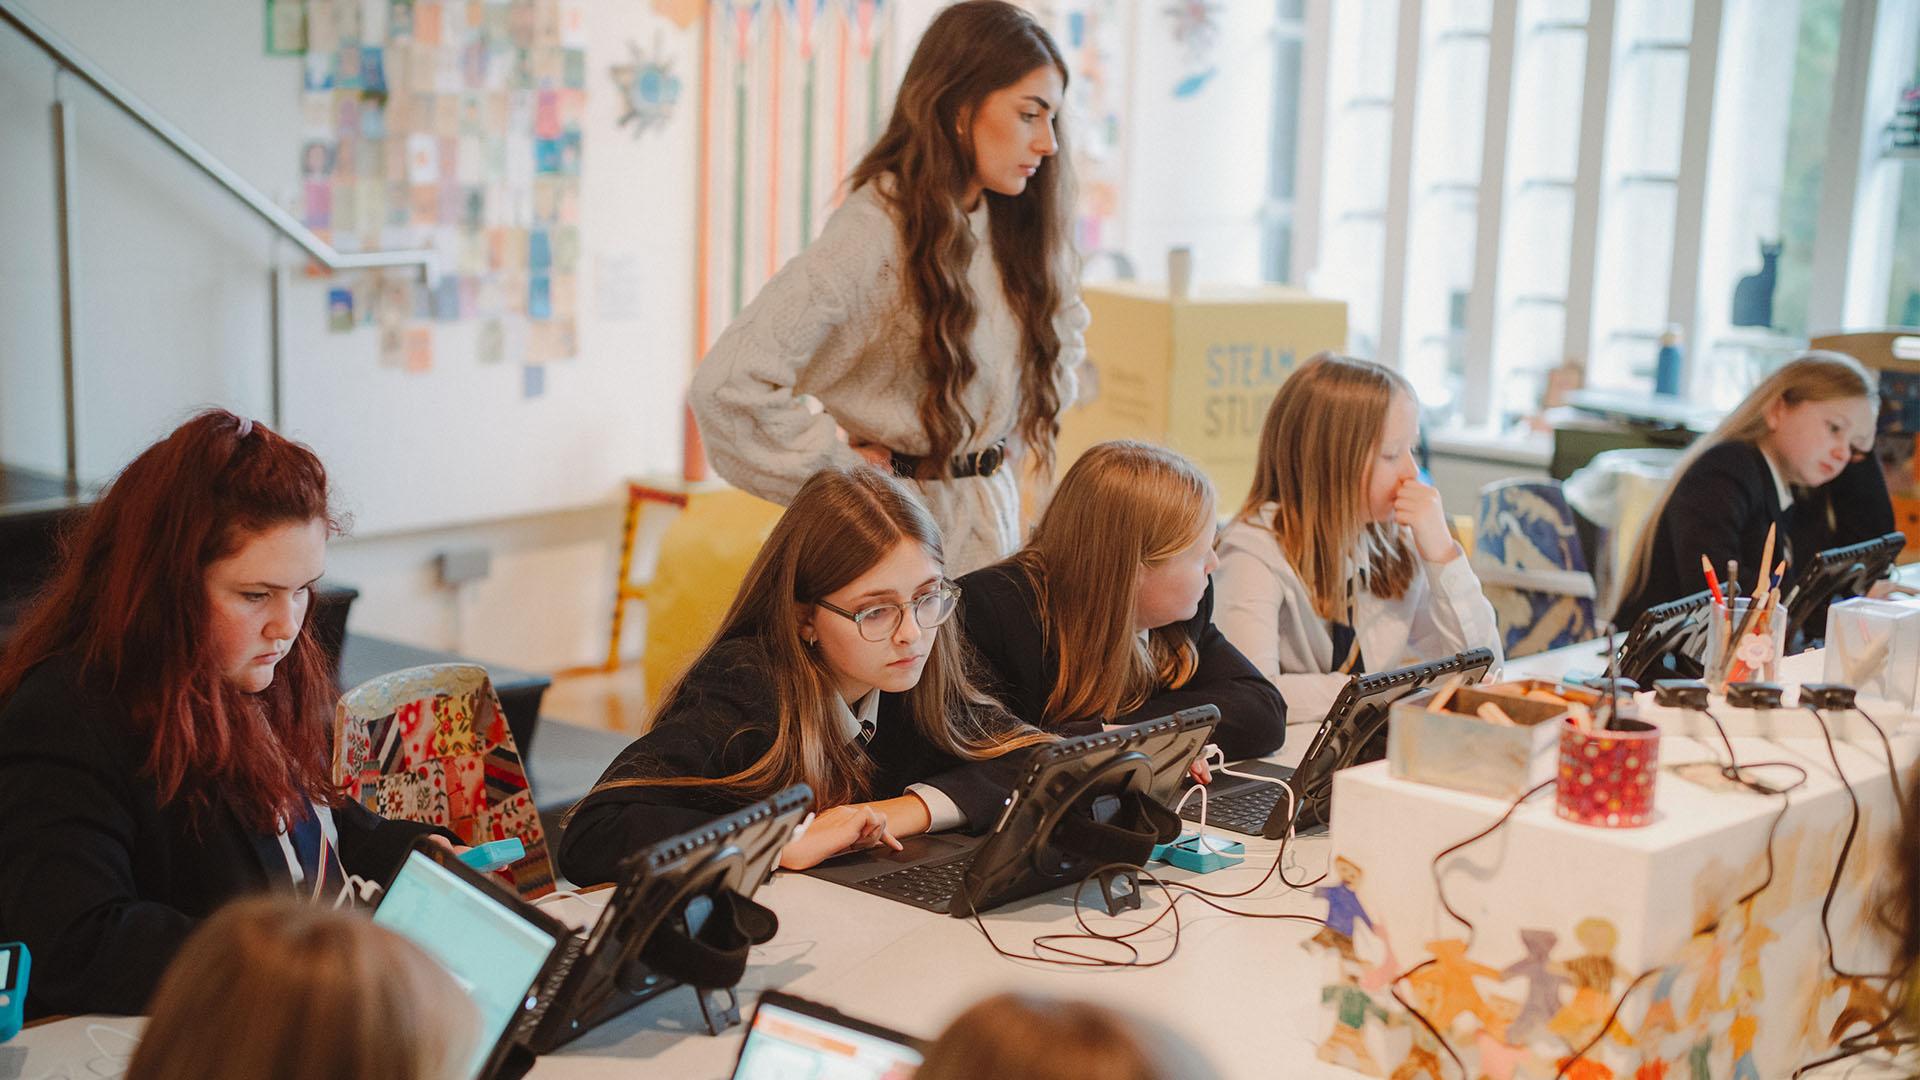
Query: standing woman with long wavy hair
(937, 317)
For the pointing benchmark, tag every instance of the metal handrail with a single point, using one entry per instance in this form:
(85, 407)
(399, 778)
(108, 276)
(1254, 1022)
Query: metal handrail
(69, 61)
(62, 52)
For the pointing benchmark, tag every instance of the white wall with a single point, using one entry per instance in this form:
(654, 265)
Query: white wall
(1197, 166)
(172, 314)
(172, 304)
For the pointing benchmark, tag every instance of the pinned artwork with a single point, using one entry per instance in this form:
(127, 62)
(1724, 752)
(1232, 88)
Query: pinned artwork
(455, 128)
(1196, 28)
(648, 88)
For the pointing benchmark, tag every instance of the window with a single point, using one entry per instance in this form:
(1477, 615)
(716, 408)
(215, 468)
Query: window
(1507, 187)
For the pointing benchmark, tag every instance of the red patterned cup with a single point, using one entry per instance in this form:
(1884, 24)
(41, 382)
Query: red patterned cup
(1607, 775)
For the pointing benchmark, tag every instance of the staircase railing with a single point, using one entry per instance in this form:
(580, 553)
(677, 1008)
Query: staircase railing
(69, 62)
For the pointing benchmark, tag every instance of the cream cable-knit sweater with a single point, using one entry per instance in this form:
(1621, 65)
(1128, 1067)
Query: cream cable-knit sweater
(834, 324)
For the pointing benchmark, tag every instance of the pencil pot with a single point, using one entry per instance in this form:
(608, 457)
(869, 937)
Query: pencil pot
(1607, 774)
(1745, 642)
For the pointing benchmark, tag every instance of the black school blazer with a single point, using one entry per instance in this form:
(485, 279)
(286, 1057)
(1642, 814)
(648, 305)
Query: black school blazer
(725, 719)
(1721, 508)
(1001, 616)
(99, 880)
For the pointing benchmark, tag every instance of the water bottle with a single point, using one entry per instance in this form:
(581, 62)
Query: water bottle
(1666, 366)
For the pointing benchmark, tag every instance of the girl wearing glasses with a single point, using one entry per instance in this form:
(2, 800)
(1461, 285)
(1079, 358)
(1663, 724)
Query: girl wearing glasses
(829, 669)
(1106, 616)
(1795, 456)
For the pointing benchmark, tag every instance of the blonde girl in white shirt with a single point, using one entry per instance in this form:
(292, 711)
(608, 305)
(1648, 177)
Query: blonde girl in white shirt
(1340, 561)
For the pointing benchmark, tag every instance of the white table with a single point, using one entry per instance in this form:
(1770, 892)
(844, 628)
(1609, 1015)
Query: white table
(1243, 990)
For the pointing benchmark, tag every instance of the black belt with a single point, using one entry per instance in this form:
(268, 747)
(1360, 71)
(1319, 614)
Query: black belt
(980, 463)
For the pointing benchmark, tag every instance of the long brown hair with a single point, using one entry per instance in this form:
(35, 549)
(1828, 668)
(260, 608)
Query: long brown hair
(969, 51)
(840, 524)
(1899, 912)
(1027, 1037)
(271, 987)
(129, 603)
(1317, 454)
(1122, 507)
(1818, 375)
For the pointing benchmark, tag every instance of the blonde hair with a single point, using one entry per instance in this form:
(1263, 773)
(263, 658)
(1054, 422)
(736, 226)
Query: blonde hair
(1123, 506)
(1024, 1037)
(273, 988)
(1317, 455)
(1818, 375)
(842, 522)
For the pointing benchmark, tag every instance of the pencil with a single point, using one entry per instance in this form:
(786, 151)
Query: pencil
(1766, 560)
(1713, 582)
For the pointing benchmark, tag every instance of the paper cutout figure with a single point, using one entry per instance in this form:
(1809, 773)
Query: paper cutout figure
(1651, 1070)
(1748, 987)
(1708, 952)
(1584, 1069)
(1343, 908)
(1741, 1034)
(1866, 1004)
(1593, 974)
(1446, 988)
(1659, 1018)
(1544, 978)
(1382, 975)
(1421, 1059)
(1346, 1045)
(1698, 1059)
(1500, 1059)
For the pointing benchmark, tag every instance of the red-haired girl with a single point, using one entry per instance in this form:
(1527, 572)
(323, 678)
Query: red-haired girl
(164, 722)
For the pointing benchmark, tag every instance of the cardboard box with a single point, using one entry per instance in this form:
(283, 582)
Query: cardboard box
(1455, 748)
(1195, 374)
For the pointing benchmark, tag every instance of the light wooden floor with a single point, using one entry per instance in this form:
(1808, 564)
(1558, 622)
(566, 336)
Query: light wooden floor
(608, 700)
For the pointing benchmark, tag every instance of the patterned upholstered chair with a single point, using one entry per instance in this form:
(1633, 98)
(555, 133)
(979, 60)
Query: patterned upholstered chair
(1527, 555)
(430, 744)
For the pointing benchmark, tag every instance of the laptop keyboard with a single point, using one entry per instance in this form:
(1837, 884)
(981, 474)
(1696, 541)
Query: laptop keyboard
(1245, 811)
(928, 884)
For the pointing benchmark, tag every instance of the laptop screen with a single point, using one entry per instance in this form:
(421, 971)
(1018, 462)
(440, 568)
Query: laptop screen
(785, 1044)
(492, 952)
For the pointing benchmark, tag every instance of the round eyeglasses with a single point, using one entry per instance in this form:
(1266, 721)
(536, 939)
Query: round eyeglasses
(879, 622)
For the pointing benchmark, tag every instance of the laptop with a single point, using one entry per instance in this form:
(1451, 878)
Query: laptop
(792, 1038)
(539, 983)
(1346, 737)
(498, 947)
(1087, 776)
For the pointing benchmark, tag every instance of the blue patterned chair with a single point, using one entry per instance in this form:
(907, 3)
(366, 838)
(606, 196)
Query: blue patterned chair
(1527, 555)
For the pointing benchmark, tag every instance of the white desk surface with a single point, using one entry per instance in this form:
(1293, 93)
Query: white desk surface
(1243, 990)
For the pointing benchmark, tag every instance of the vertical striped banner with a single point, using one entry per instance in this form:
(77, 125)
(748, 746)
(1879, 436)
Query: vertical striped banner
(774, 145)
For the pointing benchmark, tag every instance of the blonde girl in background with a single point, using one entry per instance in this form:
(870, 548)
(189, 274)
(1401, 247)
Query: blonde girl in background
(1340, 560)
(1796, 456)
(1106, 616)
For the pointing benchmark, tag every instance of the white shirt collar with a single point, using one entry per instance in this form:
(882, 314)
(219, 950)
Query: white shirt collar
(1779, 482)
(850, 719)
